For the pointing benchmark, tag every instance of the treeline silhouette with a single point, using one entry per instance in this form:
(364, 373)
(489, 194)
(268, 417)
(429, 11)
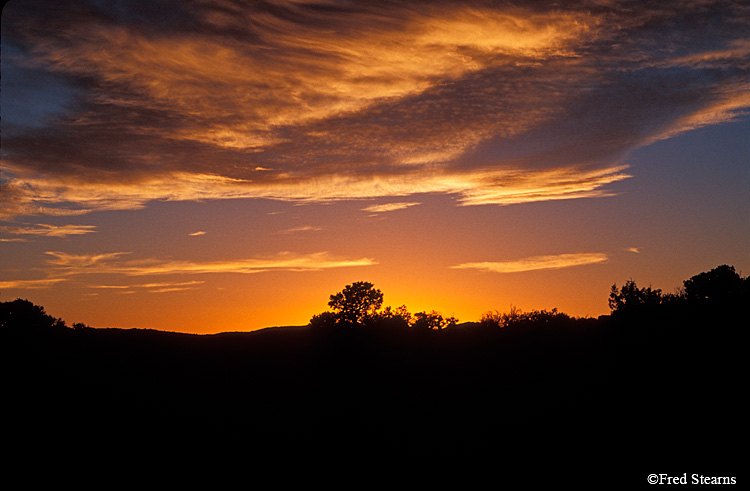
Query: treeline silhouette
(656, 386)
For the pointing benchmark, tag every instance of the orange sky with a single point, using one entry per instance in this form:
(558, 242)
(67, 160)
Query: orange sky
(207, 167)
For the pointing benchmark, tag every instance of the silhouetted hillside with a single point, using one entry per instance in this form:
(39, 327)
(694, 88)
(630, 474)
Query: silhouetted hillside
(655, 387)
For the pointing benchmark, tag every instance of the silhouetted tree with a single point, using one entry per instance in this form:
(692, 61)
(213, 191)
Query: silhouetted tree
(630, 298)
(398, 316)
(355, 303)
(22, 314)
(433, 320)
(717, 287)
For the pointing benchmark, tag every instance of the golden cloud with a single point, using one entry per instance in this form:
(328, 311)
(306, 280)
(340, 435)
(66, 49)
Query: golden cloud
(42, 229)
(388, 207)
(538, 262)
(30, 284)
(235, 95)
(73, 264)
(501, 187)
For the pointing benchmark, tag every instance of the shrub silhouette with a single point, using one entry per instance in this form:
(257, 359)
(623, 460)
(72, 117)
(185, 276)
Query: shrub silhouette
(398, 317)
(433, 320)
(630, 299)
(22, 314)
(497, 319)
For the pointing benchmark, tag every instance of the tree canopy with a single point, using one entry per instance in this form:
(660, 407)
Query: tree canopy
(355, 303)
(722, 287)
(24, 314)
(359, 304)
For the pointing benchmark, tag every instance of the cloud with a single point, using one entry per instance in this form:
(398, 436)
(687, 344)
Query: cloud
(30, 284)
(198, 233)
(46, 230)
(63, 264)
(388, 207)
(304, 228)
(537, 262)
(74, 263)
(480, 186)
(634, 250)
(296, 70)
(148, 285)
(228, 100)
(162, 287)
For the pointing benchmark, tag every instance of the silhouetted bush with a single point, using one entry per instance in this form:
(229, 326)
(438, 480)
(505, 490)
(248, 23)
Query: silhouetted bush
(718, 288)
(497, 319)
(432, 320)
(631, 300)
(22, 314)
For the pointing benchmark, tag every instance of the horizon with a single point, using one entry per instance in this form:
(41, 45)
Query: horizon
(353, 308)
(224, 168)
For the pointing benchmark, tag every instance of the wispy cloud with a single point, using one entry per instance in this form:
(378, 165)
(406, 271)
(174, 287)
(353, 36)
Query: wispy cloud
(46, 230)
(162, 287)
(304, 228)
(112, 263)
(480, 186)
(80, 262)
(30, 284)
(198, 233)
(537, 262)
(371, 58)
(63, 267)
(634, 250)
(388, 207)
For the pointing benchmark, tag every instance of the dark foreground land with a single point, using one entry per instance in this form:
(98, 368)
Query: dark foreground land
(562, 400)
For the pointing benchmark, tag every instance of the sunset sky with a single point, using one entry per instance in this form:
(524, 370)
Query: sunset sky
(223, 165)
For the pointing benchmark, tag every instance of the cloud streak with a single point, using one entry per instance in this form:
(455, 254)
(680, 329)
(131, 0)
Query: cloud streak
(304, 228)
(388, 207)
(537, 263)
(64, 264)
(46, 230)
(63, 267)
(482, 186)
(30, 284)
(162, 287)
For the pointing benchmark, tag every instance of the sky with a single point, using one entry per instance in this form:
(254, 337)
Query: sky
(207, 166)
